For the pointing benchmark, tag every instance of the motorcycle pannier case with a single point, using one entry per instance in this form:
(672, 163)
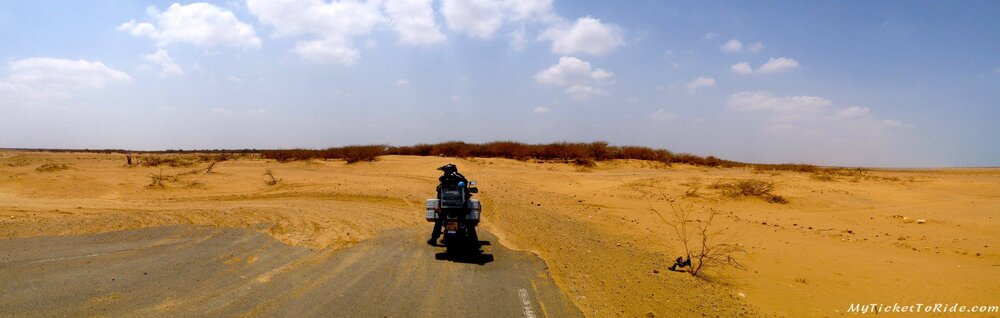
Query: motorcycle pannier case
(432, 207)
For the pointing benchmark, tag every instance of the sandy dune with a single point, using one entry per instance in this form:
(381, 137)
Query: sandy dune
(852, 239)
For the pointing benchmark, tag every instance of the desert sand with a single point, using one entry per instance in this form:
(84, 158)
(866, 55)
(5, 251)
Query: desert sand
(878, 236)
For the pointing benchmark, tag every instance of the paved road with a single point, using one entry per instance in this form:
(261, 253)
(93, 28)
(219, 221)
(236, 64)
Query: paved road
(192, 271)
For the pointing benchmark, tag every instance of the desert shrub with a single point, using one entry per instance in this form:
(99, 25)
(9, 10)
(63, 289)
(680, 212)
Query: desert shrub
(692, 190)
(156, 161)
(52, 167)
(749, 188)
(584, 162)
(354, 154)
(796, 167)
(822, 176)
(456, 149)
(270, 179)
(156, 180)
(579, 153)
(704, 247)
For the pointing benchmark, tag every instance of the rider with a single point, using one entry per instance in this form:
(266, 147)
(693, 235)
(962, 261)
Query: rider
(450, 175)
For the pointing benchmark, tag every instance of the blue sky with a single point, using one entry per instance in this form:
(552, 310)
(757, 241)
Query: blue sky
(903, 84)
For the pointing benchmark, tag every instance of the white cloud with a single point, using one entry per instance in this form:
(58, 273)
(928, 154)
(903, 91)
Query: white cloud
(477, 18)
(698, 83)
(329, 50)
(735, 46)
(732, 46)
(775, 65)
(581, 81)
(481, 18)
(853, 112)
(402, 82)
(538, 10)
(759, 100)
(200, 24)
(518, 40)
(662, 114)
(541, 110)
(414, 20)
(587, 35)
(789, 112)
(710, 36)
(168, 67)
(334, 24)
(42, 78)
(742, 68)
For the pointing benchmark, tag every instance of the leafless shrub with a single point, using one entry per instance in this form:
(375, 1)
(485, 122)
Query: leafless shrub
(692, 190)
(704, 247)
(156, 180)
(53, 167)
(270, 179)
(354, 154)
(822, 176)
(211, 165)
(156, 161)
(749, 188)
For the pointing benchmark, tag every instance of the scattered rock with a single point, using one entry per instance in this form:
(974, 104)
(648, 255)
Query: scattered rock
(741, 295)
(921, 221)
(656, 271)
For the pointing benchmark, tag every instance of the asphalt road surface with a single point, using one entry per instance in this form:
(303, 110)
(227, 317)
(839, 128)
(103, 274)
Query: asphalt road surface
(194, 271)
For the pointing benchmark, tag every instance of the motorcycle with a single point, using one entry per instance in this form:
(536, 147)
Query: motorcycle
(458, 213)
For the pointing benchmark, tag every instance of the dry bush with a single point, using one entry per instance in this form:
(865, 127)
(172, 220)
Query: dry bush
(270, 179)
(822, 176)
(53, 167)
(704, 247)
(749, 188)
(796, 167)
(156, 180)
(211, 165)
(354, 154)
(692, 190)
(156, 161)
(579, 153)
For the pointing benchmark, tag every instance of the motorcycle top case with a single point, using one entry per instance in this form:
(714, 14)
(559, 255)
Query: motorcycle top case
(452, 198)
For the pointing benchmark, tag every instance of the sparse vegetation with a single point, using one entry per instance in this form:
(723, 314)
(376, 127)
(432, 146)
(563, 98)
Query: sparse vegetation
(702, 245)
(156, 180)
(749, 188)
(53, 167)
(584, 154)
(822, 176)
(172, 161)
(270, 178)
(692, 190)
(354, 154)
